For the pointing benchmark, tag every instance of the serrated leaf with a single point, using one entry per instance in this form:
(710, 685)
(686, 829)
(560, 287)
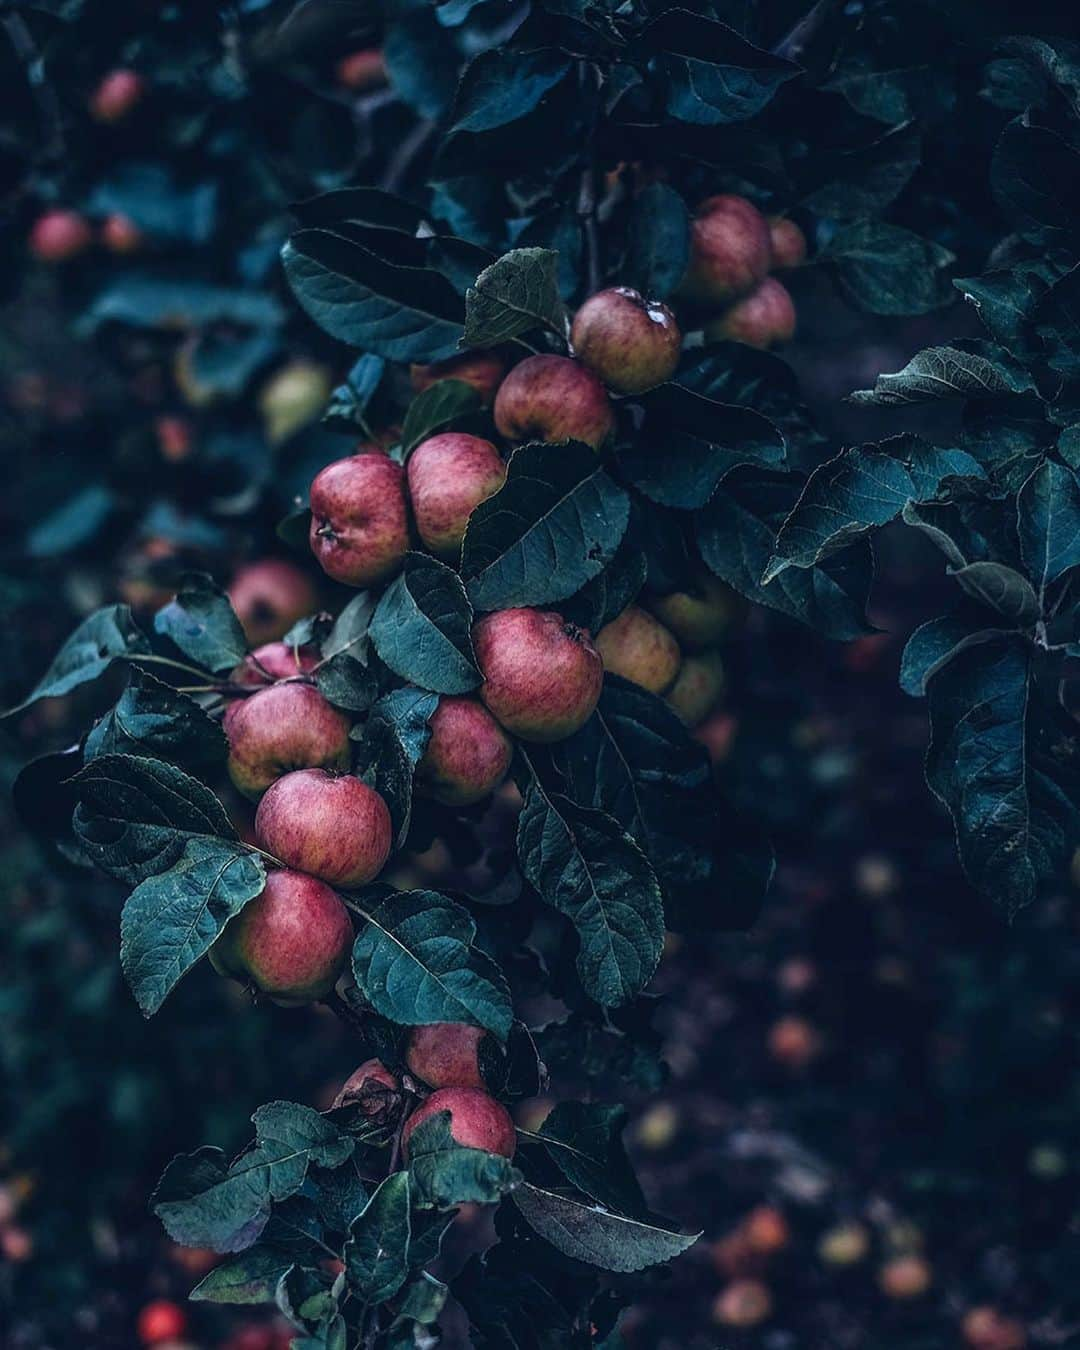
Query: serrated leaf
(584, 864)
(438, 407)
(391, 744)
(516, 294)
(888, 270)
(503, 84)
(584, 1140)
(170, 921)
(376, 1254)
(1048, 522)
(99, 640)
(249, 1277)
(555, 524)
(1006, 299)
(135, 816)
(415, 963)
(442, 1173)
(1001, 588)
(423, 1300)
(933, 644)
(948, 372)
(586, 1232)
(201, 622)
(421, 627)
(350, 631)
(1056, 319)
(152, 720)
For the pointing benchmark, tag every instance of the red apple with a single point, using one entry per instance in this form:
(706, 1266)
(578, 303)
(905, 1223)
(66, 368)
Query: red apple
(697, 687)
(269, 596)
(161, 1320)
(359, 519)
(335, 828)
(552, 398)
(60, 235)
(744, 1303)
(284, 727)
(174, 438)
(274, 661)
(699, 617)
(116, 95)
(761, 319)
(448, 477)
(767, 1230)
(630, 342)
(639, 648)
(362, 70)
(794, 1042)
(468, 754)
(985, 1328)
(542, 676)
(483, 370)
(730, 251)
(788, 243)
(446, 1054)
(905, 1277)
(121, 235)
(476, 1120)
(373, 1089)
(291, 942)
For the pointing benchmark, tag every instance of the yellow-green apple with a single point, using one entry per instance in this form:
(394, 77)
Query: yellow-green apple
(639, 648)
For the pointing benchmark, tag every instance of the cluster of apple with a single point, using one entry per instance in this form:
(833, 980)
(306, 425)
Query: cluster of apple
(733, 250)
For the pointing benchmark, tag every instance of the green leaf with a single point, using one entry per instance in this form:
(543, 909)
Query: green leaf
(659, 246)
(203, 1201)
(975, 370)
(249, 1277)
(866, 180)
(1057, 321)
(1034, 176)
(586, 866)
(170, 921)
(345, 678)
(516, 294)
(376, 1254)
(392, 742)
(149, 194)
(503, 84)
(201, 622)
(421, 627)
(584, 1140)
(585, 1232)
(438, 407)
(415, 963)
(88, 653)
(348, 406)
(178, 306)
(555, 524)
(423, 1300)
(1001, 588)
(1048, 521)
(74, 523)
(135, 816)
(934, 643)
(349, 635)
(888, 270)
(442, 1173)
(151, 719)
(400, 313)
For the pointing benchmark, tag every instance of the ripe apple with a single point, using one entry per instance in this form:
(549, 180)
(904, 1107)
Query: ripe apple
(335, 828)
(639, 648)
(116, 95)
(448, 477)
(477, 1120)
(121, 235)
(905, 1277)
(794, 1042)
(59, 235)
(542, 676)
(161, 1320)
(744, 1303)
(175, 438)
(275, 661)
(292, 397)
(269, 596)
(291, 942)
(552, 398)
(484, 370)
(730, 251)
(761, 319)
(359, 519)
(700, 617)
(985, 1328)
(468, 754)
(284, 727)
(630, 342)
(446, 1054)
(767, 1230)
(373, 1089)
(697, 688)
(362, 70)
(787, 242)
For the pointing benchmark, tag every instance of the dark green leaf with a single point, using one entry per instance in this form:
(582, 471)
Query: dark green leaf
(516, 294)
(584, 1140)
(153, 720)
(1048, 519)
(421, 627)
(1001, 588)
(503, 84)
(438, 407)
(88, 653)
(249, 1277)
(889, 270)
(376, 1254)
(659, 247)
(201, 622)
(442, 1173)
(585, 1232)
(948, 372)
(936, 642)
(392, 742)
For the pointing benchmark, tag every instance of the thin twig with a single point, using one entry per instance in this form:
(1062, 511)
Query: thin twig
(410, 148)
(799, 38)
(586, 203)
(26, 50)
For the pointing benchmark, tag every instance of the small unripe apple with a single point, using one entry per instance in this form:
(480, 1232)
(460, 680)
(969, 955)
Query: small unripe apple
(291, 942)
(335, 828)
(121, 235)
(446, 1054)
(761, 319)
(788, 243)
(630, 342)
(542, 675)
(700, 617)
(794, 1042)
(744, 1303)
(448, 477)
(58, 236)
(161, 1320)
(730, 251)
(373, 1089)
(697, 687)
(477, 1120)
(767, 1230)
(658, 1126)
(468, 754)
(275, 661)
(284, 727)
(292, 397)
(362, 70)
(987, 1329)
(639, 648)
(845, 1245)
(483, 370)
(359, 519)
(552, 398)
(905, 1277)
(269, 596)
(116, 95)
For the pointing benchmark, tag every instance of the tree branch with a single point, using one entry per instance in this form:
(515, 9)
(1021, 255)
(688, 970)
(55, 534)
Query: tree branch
(799, 38)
